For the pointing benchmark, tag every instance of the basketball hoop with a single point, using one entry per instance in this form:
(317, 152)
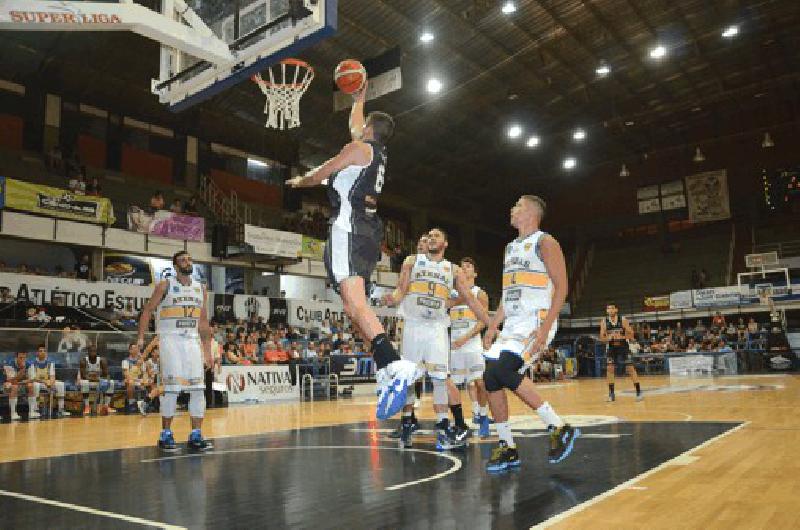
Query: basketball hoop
(288, 81)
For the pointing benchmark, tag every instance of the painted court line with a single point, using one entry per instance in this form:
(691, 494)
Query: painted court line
(629, 484)
(455, 467)
(86, 509)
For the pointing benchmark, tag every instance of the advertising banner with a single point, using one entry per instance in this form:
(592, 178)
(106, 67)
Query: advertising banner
(257, 383)
(353, 369)
(680, 300)
(66, 292)
(312, 248)
(656, 303)
(55, 202)
(717, 296)
(708, 196)
(164, 223)
(273, 242)
(143, 270)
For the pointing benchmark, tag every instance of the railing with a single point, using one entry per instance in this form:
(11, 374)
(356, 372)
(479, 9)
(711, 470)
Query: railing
(582, 275)
(785, 249)
(226, 206)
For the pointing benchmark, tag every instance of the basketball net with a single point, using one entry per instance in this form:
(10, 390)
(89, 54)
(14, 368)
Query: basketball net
(288, 81)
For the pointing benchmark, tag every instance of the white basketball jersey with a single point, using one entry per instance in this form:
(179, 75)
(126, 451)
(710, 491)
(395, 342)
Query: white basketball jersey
(527, 288)
(462, 320)
(93, 368)
(179, 311)
(428, 290)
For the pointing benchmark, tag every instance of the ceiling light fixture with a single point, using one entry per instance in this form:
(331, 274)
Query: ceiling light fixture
(658, 52)
(730, 32)
(767, 142)
(426, 36)
(509, 7)
(515, 131)
(579, 135)
(533, 141)
(603, 70)
(698, 156)
(569, 163)
(434, 85)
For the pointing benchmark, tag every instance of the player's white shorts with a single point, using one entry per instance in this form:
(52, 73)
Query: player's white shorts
(427, 344)
(181, 363)
(466, 364)
(514, 335)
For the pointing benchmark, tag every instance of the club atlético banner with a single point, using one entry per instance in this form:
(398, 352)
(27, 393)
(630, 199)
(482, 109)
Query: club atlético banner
(656, 303)
(55, 202)
(44, 290)
(312, 248)
(311, 313)
(257, 383)
(273, 242)
(167, 224)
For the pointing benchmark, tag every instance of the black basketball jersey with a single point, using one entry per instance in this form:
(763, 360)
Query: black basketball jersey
(348, 189)
(612, 327)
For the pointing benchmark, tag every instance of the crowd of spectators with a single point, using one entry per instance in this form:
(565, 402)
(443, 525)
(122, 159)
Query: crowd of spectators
(720, 334)
(188, 207)
(81, 271)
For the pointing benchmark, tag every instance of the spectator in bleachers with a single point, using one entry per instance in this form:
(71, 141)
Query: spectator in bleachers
(231, 354)
(134, 377)
(55, 160)
(718, 322)
(42, 371)
(17, 379)
(191, 207)
(250, 350)
(83, 270)
(691, 347)
(156, 202)
(722, 346)
(176, 207)
(77, 184)
(752, 326)
(93, 375)
(94, 188)
(152, 367)
(72, 341)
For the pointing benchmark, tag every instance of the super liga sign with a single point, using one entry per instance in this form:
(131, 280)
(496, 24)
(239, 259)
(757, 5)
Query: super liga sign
(51, 17)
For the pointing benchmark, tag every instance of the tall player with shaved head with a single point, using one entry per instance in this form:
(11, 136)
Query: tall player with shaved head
(534, 290)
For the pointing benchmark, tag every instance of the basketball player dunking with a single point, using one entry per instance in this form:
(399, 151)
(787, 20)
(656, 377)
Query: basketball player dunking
(534, 289)
(616, 331)
(355, 179)
(185, 344)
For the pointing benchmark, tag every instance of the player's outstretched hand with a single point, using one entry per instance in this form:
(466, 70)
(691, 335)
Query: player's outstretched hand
(294, 182)
(361, 95)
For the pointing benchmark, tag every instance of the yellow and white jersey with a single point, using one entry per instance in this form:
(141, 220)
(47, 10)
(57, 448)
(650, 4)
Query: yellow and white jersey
(179, 311)
(462, 320)
(42, 370)
(133, 368)
(428, 291)
(527, 288)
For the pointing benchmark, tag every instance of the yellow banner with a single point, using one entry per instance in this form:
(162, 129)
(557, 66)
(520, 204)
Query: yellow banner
(55, 202)
(312, 248)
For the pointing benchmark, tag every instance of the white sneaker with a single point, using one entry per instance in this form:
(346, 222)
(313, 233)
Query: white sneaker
(33, 415)
(142, 406)
(393, 381)
(15, 416)
(417, 403)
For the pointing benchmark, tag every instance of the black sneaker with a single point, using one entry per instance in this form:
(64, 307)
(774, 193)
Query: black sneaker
(461, 434)
(561, 442)
(406, 430)
(503, 457)
(611, 397)
(199, 445)
(168, 444)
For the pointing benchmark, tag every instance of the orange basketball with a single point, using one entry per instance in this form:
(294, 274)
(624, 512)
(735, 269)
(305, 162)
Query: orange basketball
(350, 76)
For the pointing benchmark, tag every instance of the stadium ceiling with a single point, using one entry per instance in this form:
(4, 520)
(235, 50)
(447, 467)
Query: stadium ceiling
(536, 67)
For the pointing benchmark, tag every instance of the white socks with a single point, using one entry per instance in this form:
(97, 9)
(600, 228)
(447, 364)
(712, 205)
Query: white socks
(504, 432)
(549, 416)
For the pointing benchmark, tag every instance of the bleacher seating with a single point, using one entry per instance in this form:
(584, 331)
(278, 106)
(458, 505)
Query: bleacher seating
(627, 272)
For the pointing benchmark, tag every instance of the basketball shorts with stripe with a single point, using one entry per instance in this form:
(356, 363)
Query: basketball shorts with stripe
(349, 254)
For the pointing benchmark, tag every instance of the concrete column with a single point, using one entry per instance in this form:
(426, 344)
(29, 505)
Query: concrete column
(191, 163)
(52, 122)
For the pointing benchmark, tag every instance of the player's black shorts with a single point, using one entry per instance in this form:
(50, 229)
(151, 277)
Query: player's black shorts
(349, 254)
(619, 355)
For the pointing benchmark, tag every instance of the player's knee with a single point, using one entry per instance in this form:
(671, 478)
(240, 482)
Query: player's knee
(197, 403)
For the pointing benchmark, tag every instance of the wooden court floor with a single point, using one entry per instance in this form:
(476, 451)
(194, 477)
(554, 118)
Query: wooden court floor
(747, 477)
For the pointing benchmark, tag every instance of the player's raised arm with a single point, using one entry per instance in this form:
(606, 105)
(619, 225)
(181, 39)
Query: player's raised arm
(628, 329)
(357, 119)
(356, 153)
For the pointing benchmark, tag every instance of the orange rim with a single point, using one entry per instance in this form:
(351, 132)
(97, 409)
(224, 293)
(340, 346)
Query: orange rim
(291, 62)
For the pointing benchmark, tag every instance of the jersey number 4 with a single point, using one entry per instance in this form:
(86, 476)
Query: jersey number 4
(379, 178)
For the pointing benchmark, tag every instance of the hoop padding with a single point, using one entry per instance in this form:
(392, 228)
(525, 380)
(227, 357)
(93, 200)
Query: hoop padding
(288, 81)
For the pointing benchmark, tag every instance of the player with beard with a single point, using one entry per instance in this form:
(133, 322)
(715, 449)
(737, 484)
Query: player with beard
(185, 343)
